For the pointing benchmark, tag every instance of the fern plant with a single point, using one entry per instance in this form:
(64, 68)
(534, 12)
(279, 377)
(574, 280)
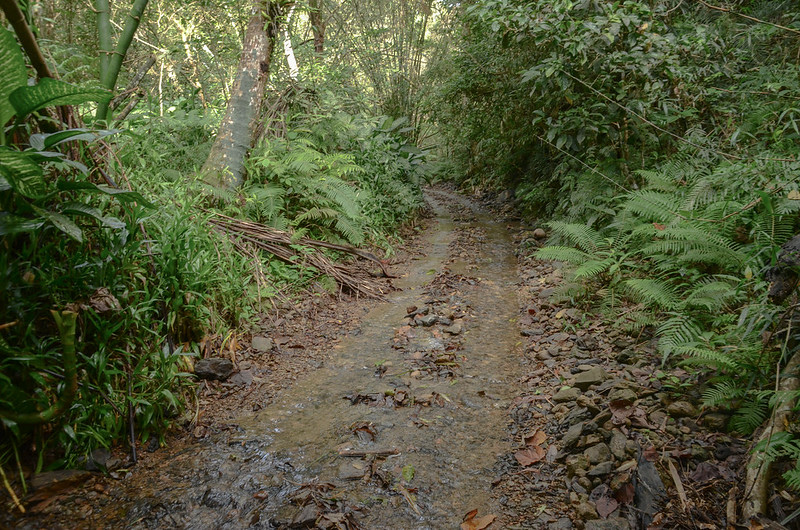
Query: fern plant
(300, 186)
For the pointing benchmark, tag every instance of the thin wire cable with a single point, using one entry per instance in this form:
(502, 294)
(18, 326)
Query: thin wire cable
(676, 136)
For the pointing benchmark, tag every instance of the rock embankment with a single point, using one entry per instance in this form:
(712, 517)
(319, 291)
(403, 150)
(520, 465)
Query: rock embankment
(606, 438)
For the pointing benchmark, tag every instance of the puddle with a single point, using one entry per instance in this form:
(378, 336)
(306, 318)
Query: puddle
(428, 420)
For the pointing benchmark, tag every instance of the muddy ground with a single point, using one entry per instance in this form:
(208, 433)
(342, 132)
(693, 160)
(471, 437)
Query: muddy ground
(471, 398)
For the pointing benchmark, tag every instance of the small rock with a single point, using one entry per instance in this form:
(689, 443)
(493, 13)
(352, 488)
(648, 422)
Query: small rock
(588, 403)
(562, 523)
(657, 417)
(214, 368)
(586, 343)
(603, 468)
(347, 471)
(716, 421)
(576, 464)
(585, 511)
(572, 435)
(623, 393)
(681, 409)
(626, 356)
(98, 459)
(217, 498)
(612, 523)
(539, 233)
(427, 320)
(617, 445)
(566, 394)
(56, 480)
(242, 378)
(593, 376)
(306, 517)
(262, 344)
(598, 453)
(455, 329)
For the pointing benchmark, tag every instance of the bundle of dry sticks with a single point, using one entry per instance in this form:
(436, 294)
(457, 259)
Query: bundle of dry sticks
(281, 244)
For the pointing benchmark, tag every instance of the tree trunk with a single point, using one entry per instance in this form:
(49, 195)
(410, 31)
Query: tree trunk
(224, 167)
(288, 50)
(317, 25)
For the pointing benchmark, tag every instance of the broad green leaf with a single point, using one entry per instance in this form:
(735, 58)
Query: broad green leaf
(12, 72)
(12, 224)
(55, 156)
(4, 185)
(66, 185)
(80, 208)
(22, 174)
(52, 92)
(126, 196)
(122, 195)
(41, 142)
(62, 222)
(66, 225)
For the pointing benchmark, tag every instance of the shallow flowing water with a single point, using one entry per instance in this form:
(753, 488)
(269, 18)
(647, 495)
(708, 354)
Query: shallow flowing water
(440, 441)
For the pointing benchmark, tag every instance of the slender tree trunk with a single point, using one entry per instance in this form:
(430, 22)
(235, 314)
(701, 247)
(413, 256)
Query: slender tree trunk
(317, 25)
(288, 50)
(224, 167)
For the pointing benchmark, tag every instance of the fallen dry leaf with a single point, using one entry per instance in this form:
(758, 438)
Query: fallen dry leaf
(536, 438)
(625, 494)
(650, 454)
(605, 506)
(621, 410)
(529, 456)
(477, 523)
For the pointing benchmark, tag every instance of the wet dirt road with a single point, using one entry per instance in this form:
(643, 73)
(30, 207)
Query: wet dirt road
(402, 428)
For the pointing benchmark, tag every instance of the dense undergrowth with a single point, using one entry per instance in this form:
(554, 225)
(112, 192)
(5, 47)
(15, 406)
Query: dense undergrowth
(663, 137)
(142, 273)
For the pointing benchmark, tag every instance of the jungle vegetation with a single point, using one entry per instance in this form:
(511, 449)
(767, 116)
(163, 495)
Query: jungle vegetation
(658, 138)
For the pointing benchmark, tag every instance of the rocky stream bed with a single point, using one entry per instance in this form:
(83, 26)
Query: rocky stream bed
(471, 399)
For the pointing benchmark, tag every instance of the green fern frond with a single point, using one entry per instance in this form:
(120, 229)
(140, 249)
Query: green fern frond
(352, 232)
(593, 268)
(652, 292)
(792, 477)
(315, 214)
(712, 295)
(679, 330)
(652, 205)
(635, 321)
(582, 236)
(700, 355)
(750, 415)
(723, 393)
(566, 254)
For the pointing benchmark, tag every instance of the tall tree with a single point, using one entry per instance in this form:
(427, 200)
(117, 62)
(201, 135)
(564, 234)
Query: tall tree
(224, 166)
(317, 25)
